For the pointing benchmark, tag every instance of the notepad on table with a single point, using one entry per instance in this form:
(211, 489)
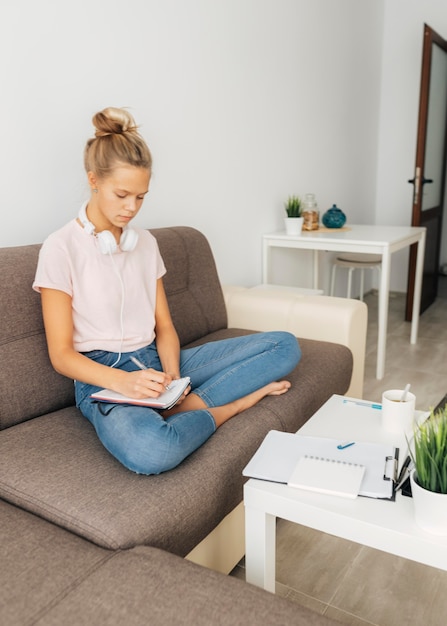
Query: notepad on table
(166, 400)
(327, 476)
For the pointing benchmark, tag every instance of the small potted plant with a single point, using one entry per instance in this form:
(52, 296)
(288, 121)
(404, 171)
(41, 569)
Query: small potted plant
(294, 220)
(429, 477)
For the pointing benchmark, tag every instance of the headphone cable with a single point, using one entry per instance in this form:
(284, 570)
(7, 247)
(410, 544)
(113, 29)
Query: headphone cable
(121, 309)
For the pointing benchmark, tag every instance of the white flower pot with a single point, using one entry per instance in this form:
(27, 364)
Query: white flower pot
(294, 225)
(430, 508)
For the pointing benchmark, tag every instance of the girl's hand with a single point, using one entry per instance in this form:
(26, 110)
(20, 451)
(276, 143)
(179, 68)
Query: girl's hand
(148, 383)
(174, 409)
(185, 393)
(183, 396)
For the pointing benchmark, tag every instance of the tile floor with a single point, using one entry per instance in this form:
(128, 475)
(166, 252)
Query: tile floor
(355, 584)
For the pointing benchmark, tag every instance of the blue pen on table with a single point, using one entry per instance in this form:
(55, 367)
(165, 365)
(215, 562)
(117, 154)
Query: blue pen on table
(142, 366)
(345, 444)
(370, 405)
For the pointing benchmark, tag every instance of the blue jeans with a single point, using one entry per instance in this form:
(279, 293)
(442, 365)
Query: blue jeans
(220, 371)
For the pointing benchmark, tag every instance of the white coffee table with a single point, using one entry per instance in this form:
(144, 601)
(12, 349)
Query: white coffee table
(381, 524)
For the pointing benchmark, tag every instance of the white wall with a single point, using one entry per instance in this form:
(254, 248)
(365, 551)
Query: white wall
(402, 56)
(242, 102)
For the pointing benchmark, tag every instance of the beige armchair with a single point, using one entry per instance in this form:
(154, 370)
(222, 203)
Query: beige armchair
(324, 318)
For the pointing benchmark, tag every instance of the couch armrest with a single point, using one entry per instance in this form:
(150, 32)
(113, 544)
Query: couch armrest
(323, 318)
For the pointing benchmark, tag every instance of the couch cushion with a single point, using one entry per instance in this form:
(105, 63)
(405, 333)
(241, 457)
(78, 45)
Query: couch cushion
(50, 576)
(147, 586)
(39, 562)
(23, 351)
(192, 284)
(55, 466)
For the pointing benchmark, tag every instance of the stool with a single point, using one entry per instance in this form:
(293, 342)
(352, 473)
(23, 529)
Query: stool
(352, 262)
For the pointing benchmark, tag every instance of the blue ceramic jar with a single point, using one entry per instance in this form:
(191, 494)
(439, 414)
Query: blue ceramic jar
(334, 217)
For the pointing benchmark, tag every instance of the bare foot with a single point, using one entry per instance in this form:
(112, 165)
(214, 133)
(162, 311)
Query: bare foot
(223, 413)
(279, 388)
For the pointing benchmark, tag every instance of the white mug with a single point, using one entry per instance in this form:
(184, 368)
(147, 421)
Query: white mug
(397, 416)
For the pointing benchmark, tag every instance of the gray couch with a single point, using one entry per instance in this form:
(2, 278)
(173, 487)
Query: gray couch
(85, 541)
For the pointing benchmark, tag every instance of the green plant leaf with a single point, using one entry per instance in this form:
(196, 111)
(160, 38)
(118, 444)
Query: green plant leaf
(430, 452)
(293, 206)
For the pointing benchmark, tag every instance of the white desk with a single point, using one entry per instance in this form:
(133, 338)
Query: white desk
(383, 240)
(381, 524)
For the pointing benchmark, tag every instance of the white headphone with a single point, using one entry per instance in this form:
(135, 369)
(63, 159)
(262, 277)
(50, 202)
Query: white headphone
(106, 241)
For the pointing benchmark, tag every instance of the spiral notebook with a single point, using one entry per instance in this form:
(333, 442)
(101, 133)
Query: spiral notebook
(165, 400)
(338, 478)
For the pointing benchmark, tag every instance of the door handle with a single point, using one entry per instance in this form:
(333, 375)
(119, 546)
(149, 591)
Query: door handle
(423, 181)
(418, 183)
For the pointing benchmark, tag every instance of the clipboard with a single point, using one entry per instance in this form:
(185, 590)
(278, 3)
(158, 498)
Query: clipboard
(279, 453)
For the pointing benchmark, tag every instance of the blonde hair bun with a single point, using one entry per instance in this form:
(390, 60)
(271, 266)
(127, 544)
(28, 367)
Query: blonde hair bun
(116, 140)
(113, 121)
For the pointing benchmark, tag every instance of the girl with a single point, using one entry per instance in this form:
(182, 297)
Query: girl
(103, 302)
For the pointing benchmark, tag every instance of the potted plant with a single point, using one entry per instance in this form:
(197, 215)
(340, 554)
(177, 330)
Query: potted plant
(294, 220)
(429, 477)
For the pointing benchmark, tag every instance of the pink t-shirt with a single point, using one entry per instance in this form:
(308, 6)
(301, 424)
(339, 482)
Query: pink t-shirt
(113, 296)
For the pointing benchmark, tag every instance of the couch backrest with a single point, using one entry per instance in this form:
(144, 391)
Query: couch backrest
(191, 282)
(29, 386)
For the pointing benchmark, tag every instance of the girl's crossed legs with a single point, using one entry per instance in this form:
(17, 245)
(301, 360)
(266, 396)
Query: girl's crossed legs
(227, 377)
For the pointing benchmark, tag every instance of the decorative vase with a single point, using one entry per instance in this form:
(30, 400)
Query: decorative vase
(334, 217)
(430, 508)
(294, 225)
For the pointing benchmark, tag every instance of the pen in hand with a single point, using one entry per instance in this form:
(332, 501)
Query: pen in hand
(138, 363)
(141, 366)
